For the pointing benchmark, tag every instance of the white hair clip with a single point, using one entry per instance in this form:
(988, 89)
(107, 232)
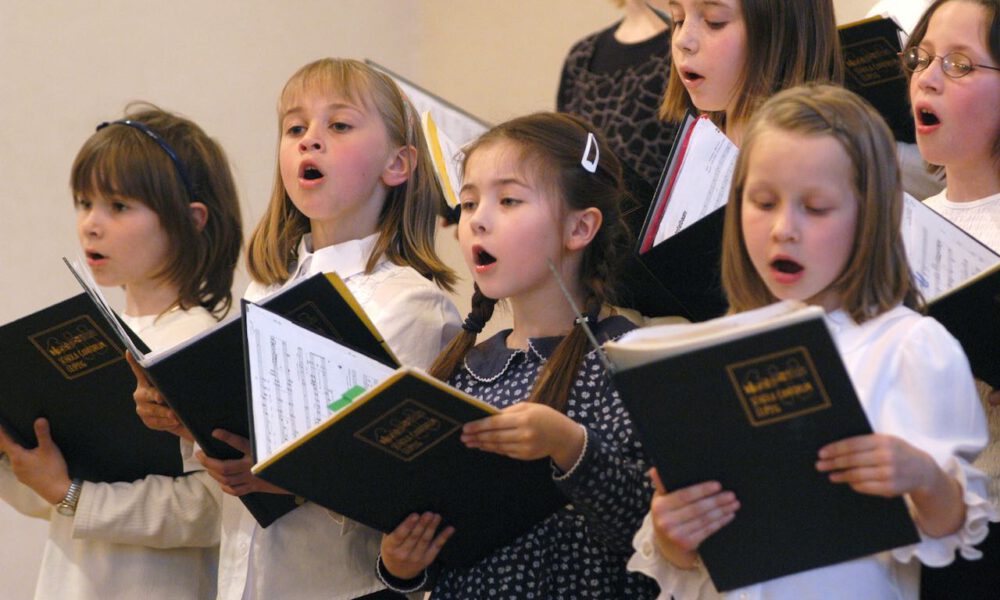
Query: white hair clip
(591, 165)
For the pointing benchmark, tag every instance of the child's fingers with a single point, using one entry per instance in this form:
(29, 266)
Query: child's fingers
(861, 443)
(402, 531)
(236, 441)
(484, 424)
(658, 487)
(140, 375)
(44, 434)
(854, 460)
(690, 525)
(434, 547)
(692, 494)
(7, 443)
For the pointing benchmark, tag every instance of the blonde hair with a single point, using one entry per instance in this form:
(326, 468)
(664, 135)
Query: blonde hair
(409, 216)
(877, 276)
(120, 160)
(789, 42)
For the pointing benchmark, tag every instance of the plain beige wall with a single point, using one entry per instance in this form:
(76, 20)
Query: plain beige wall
(66, 66)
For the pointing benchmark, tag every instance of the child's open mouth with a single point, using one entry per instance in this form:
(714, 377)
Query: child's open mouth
(927, 117)
(789, 267)
(483, 258)
(691, 76)
(310, 173)
(95, 256)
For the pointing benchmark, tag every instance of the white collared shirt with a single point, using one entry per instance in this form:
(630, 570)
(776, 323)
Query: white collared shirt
(311, 552)
(913, 382)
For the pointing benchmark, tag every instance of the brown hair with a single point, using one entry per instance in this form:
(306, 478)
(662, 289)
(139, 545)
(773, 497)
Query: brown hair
(551, 145)
(877, 276)
(789, 42)
(408, 218)
(992, 8)
(124, 161)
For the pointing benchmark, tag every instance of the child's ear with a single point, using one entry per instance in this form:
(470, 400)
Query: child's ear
(581, 227)
(199, 215)
(401, 164)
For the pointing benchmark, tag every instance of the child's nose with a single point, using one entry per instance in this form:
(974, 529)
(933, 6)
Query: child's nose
(684, 40)
(785, 227)
(310, 142)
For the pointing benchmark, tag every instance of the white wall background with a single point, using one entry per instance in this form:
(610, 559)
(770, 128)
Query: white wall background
(66, 66)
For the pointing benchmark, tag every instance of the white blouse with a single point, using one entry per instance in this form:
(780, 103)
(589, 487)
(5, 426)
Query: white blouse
(152, 538)
(311, 552)
(913, 382)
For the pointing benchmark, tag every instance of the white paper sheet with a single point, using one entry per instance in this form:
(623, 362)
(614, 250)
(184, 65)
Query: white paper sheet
(294, 374)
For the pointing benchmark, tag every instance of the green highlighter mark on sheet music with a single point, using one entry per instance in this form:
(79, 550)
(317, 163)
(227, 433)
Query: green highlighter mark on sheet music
(346, 398)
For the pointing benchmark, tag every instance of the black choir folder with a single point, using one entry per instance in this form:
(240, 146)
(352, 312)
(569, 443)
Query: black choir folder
(203, 379)
(959, 277)
(971, 313)
(681, 240)
(388, 452)
(873, 71)
(63, 363)
(748, 400)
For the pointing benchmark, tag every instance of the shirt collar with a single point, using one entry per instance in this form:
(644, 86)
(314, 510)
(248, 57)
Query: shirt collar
(491, 359)
(345, 259)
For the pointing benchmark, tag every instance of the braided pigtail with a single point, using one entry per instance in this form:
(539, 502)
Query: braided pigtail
(452, 356)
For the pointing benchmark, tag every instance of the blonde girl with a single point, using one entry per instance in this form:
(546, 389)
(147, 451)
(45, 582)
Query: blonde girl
(352, 195)
(814, 215)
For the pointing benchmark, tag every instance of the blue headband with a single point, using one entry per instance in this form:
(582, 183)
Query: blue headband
(162, 143)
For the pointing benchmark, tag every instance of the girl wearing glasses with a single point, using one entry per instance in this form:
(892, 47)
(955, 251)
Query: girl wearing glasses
(953, 57)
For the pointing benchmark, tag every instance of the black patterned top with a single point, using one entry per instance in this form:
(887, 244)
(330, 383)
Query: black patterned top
(580, 551)
(619, 87)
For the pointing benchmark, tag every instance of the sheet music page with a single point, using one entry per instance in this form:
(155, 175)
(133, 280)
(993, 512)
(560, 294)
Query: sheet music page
(459, 126)
(703, 180)
(86, 280)
(294, 374)
(941, 254)
(446, 155)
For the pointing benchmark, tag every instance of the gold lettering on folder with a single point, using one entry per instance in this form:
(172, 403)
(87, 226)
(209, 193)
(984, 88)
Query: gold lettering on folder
(872, 62)
(77, 347)
(778, 386)
(408, 430)
(312, 318)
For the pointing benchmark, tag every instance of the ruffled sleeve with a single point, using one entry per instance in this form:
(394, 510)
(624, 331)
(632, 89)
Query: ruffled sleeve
(930, 400)
(673, 581)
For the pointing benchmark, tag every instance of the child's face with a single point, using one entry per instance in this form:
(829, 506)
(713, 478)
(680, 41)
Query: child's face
(709, 48)
(123, 240)
(798, 214)
(508, 225)
(958, 120)
(332, 156)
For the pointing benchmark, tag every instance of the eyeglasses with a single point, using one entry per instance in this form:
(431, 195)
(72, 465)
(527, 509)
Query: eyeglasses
(954, 64)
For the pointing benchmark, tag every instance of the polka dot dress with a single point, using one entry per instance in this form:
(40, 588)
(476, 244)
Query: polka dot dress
(580, 551)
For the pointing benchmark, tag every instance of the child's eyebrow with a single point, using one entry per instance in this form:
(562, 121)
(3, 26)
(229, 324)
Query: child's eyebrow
(713, 3)
(297, 110)
(496, 183)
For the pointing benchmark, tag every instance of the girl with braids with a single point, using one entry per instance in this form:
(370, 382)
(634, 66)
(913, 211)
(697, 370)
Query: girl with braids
(538, 189)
